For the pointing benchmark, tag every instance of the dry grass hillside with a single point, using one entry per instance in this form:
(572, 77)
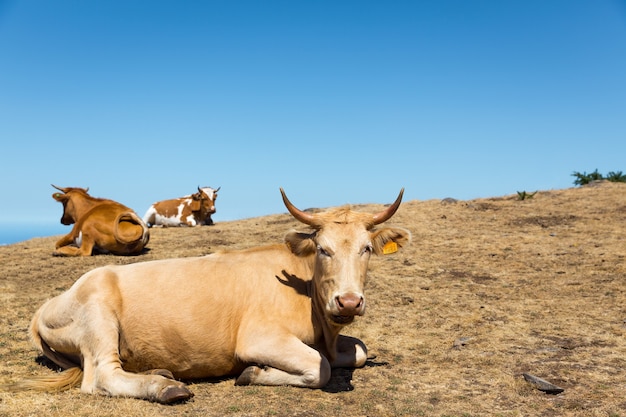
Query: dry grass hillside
(488, 290)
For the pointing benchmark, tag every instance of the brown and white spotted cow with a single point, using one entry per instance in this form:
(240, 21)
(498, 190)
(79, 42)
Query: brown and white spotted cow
(191, 210)
(270, 315)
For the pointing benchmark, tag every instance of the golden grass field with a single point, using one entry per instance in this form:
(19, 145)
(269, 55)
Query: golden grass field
(489, 289)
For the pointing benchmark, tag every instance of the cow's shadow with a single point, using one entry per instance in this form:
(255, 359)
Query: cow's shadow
(299, 285)
(45, 362)
(341, 378)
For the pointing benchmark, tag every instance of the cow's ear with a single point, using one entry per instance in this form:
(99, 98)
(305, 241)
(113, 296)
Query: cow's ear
(389, 240)
(300, 243)
(60, 197)
(195, 204)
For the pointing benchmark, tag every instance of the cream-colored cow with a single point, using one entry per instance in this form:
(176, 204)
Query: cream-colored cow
(269, 315)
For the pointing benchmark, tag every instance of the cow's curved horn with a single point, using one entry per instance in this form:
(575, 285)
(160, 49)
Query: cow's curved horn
(218, 188)
(386, 214)
(306, 218)
(66, 189)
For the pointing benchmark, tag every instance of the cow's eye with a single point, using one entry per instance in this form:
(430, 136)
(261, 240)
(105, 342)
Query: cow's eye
(367, 249)
(322, 251)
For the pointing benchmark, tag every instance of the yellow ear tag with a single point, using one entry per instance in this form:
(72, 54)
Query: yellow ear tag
(390, 247)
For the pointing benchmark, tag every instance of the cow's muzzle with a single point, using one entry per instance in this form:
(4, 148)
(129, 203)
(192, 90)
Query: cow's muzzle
(349, 305)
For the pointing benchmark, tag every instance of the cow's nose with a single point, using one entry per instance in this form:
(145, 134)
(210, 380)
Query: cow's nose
(349, 304)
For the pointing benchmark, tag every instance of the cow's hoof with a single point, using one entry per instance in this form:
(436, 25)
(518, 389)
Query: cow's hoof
(174, 394)
(248, 375)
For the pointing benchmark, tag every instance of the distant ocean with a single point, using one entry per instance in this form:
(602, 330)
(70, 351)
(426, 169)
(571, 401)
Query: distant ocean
(17, 232)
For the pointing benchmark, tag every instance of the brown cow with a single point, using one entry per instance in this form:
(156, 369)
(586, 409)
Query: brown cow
(100, 225)
(271, 315)
(191, 210)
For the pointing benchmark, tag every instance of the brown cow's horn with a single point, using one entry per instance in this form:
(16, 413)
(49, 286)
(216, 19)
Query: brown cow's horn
(386, 214)
(299, 215)
(59, 188)
(66, 189)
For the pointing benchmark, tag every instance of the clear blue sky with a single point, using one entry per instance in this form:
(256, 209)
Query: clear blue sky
(336, 101)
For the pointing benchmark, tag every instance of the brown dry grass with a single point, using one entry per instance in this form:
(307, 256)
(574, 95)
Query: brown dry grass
(535, 286)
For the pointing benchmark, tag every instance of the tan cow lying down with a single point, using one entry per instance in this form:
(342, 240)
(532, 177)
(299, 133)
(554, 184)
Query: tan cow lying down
(270, 315)
(102, 225)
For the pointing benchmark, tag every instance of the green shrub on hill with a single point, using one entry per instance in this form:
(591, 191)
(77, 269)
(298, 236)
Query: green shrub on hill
(584, 178)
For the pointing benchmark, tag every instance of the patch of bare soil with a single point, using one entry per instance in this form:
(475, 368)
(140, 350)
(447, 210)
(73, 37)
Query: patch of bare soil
(488, 290)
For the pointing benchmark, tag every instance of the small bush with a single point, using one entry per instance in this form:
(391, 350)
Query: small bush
(584, 178)
(523, 195)
(616, 176)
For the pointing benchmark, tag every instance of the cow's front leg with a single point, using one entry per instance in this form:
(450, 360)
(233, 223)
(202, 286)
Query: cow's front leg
(283, 361)
(85, 249)
(351, 353)
(64, 241)
(67, 251)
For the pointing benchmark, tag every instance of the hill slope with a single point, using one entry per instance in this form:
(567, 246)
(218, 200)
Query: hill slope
(489, 289)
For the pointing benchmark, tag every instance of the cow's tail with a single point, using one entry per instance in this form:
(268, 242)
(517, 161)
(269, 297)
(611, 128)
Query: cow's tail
(59, 381)
(131, 217)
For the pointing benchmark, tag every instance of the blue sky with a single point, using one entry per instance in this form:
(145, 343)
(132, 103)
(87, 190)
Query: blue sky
(336, 101)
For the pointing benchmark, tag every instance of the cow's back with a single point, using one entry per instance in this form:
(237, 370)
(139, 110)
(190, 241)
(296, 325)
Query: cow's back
(169, 213)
